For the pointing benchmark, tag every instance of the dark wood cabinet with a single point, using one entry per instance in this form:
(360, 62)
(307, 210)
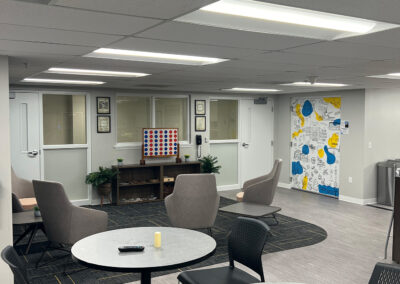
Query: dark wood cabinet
(150, 182)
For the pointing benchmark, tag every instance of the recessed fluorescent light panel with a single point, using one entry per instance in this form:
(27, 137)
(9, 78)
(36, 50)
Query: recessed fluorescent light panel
(317, 84)
(255, 90)
(134, 55)
(257, 16)
(88, 72)
(395, 76)
(60, 81)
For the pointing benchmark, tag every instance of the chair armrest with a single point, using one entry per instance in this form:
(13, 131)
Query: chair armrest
(254, 181)
(86, 222)
(256, 192)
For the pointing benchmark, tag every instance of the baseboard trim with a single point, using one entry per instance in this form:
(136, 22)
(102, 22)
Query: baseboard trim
(284, 185)
(228, 187)
(81, 202)
(355, 200)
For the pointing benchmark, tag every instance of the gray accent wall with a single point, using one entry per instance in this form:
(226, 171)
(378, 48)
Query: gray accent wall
(351, 145)
(5, 170)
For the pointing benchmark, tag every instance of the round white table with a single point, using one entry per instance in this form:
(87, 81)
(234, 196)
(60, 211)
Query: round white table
(180, 247)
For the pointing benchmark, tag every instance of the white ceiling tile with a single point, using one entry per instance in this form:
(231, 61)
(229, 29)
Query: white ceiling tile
(184, 32)
(348, 50)
(29, 14)
(26, 33)
(161, 9)
(12, 46)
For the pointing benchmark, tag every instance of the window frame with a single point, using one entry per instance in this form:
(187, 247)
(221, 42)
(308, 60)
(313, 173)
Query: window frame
(222, 141)
(138, 145)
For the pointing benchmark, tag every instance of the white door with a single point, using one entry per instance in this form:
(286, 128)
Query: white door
(255, 148)
(25, 135)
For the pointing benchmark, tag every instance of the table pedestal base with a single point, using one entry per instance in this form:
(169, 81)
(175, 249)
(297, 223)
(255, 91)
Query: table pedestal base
(145, 277)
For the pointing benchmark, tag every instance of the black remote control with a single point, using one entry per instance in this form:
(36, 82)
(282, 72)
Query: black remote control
(131, 248)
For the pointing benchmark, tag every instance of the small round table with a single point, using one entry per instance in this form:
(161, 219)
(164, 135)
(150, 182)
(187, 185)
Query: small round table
(179, 247)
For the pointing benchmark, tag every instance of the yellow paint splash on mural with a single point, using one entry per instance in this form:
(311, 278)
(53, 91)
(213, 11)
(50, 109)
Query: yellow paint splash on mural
(334, 140)
(297, 133)
(305, 182)
(321, 153)
(318, 117)
(336, 102)
(299, 114)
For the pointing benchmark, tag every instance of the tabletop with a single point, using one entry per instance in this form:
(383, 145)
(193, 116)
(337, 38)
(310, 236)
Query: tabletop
(26, 217)
(250, 209)
(179, 247)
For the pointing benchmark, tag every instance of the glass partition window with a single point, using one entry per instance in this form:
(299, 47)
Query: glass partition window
(172, 112)
(223, 119)
(133, 114)
(64, 119)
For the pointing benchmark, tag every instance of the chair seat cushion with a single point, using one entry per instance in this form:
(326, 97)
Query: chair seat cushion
(220, 275)
(239, 196)
(28, 203)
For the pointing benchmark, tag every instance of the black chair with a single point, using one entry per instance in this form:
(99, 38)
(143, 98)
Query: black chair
(10, 256)
(385, 274)
(245, 245)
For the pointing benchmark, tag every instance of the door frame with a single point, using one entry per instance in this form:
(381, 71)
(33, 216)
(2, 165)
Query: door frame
(239, 139)
(87, 146)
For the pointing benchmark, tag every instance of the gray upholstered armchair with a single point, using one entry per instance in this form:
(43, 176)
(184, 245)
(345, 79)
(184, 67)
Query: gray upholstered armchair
(64, 222)
(23, 196)
(194, 202)
(261, 189)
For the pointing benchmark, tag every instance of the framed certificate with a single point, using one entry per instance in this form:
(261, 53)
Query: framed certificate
(200, 123)
(103, 124)
(200, 107)
(103, 105)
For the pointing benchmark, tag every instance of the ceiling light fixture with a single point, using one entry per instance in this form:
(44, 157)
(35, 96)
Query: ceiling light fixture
(258, 16)
(60, 81)
(156, 57)
(317, 84)
(395, 76)
(251, 90)
(88, 72)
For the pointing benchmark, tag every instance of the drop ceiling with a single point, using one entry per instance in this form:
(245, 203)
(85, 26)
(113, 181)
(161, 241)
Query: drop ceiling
(38, 34)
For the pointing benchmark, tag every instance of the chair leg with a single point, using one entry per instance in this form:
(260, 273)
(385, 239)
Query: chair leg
(102, 199)
(210, 231)
(32, 236)
(276, 220)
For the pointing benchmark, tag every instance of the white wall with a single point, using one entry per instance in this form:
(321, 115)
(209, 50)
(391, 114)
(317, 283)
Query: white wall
(382, 129)
(351, 150)
(5, 170)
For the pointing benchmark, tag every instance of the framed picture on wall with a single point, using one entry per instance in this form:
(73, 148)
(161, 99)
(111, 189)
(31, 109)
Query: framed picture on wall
(200, 123)
(103, 124)
(200, 107)
(103, 105)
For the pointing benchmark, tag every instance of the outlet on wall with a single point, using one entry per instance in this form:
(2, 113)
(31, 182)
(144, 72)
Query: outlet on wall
(350, 179)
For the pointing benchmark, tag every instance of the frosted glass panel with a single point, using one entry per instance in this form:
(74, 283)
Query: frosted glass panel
(133, 114)
(64, 119)
(223, 119)
(173, 113)
(69, 167)
(23, 120)
(227, 155)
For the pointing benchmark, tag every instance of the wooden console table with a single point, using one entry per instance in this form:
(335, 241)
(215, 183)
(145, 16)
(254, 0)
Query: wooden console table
(150, 182)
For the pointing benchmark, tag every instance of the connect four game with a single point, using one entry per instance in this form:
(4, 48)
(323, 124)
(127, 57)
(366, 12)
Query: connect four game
(160, 142)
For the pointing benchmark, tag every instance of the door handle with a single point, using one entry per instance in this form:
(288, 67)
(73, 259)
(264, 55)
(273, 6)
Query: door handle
(33, 153)
(245, 144)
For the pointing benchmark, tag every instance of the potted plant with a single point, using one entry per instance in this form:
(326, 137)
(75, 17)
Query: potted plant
(209, 164)
(120, 161)
(36, 211)
(186, 157)
(102, 181)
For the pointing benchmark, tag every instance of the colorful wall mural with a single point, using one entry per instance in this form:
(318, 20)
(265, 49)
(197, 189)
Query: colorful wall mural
(315, 147)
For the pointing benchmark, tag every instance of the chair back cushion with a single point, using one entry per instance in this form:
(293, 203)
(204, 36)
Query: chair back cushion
(22, 188)
(385, 273)
(55, 208)
(246, 243)
(16, 204)
(194, 202)
(10, 256)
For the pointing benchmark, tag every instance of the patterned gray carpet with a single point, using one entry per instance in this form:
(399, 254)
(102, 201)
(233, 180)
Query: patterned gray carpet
(289, 234)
